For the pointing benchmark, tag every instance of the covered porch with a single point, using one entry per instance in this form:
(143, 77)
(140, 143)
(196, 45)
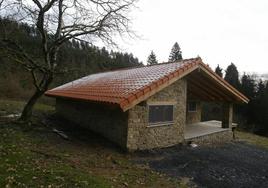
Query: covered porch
(204, 87)
(205, 128)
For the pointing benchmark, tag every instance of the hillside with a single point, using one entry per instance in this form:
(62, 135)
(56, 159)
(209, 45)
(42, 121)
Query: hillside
(32, 155)
(35, 156)
(76, 59)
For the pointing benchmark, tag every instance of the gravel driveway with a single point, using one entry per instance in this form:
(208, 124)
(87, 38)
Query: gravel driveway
(234, 164)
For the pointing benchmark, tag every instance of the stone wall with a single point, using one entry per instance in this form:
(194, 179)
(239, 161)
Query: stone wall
(194, 117)
(109, 121)
(131, 129)
(143, 136)
(213, 138)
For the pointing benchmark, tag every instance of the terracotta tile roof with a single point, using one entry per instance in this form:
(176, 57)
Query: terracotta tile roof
(126, 87)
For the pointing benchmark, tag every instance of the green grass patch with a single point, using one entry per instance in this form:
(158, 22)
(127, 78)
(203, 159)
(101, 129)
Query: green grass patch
(31, 155)
(21, 166)
(253, 138)
(11, 106)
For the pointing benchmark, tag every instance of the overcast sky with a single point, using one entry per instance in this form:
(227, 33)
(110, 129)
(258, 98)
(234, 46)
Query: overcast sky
(220, 32)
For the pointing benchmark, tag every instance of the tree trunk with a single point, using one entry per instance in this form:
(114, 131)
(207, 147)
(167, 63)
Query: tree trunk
(28, 108)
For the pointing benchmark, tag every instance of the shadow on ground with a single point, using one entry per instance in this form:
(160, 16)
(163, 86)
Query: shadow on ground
(235, 164)
(78, 135)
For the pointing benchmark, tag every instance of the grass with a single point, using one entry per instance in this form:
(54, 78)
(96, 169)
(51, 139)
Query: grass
(11, 106)
(252, 139)
(20, 166)
(31, 155)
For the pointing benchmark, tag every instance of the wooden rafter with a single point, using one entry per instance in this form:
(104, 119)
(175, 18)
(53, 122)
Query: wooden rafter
(197, 95)
(200, 92)
(203, 89)
(218, 88)
(203, 82)
(223, 83)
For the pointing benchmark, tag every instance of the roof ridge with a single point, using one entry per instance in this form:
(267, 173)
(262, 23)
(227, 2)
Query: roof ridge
(139, 86)
(141, 66)
(169, 62)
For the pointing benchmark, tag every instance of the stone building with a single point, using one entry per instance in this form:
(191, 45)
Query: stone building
(149, 106)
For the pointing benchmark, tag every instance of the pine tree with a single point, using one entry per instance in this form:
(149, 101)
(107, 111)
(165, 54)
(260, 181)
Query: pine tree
(175, 54)
(218, 71)
(152, 59)
(266, 88)
(261, 88)
(248, 86)
(232, 76)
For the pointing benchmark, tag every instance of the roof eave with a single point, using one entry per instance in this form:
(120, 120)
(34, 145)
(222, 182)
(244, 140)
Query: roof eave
(148, 91)
(228, 86)
(134, 99)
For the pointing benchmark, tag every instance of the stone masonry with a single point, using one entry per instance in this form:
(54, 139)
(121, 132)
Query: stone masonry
(107, 120)
(143, 136)
(213, 138)
(131, 129)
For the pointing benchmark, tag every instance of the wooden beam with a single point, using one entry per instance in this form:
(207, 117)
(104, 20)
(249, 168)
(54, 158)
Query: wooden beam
(204, 81)
(199, 92)
(224, 92)
(197, 96)
(192, 96)
(208, 93)
(227, 115)
(201, 87)
(239, 96)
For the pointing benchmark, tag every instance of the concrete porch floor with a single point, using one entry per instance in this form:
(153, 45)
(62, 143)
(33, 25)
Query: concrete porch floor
(203, 128)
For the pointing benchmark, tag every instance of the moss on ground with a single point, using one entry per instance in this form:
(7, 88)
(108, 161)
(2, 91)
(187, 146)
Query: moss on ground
(11, 106)
(31, 155)
(252, 139)
(22, 166)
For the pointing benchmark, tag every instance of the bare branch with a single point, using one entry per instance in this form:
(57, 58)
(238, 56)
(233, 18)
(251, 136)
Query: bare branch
(49, 5)
(1, 2)
(35, 82)
(58, 21)
(59, 28)
(15, 50)
(38, 4)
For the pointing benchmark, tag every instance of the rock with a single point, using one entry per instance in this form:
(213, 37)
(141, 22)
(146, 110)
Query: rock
(193, 145)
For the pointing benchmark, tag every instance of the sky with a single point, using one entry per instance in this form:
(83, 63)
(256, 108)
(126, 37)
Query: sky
(220, 32)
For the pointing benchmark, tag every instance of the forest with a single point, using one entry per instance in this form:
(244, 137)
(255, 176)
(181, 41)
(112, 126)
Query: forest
(78, 58)
(253, 116)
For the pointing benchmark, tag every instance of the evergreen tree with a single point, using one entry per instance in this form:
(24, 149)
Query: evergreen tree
(175, 54)
(152, 59)
(75, 59)
(266, 88)
(248, 86)
(232, 76)
(259, 110)
(107, 20)
(261, 88)
(218, 71)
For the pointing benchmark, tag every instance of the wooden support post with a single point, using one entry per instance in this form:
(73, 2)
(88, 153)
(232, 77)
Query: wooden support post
(227, 115)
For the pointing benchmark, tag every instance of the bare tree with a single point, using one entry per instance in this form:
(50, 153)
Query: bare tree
(57, 22)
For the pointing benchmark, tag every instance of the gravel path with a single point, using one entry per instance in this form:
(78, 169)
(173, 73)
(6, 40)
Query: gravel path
(231, 165)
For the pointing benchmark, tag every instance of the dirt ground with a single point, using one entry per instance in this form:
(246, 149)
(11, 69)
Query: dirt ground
(235, 164)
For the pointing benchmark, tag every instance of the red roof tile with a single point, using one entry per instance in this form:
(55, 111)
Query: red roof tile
(125, 86)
